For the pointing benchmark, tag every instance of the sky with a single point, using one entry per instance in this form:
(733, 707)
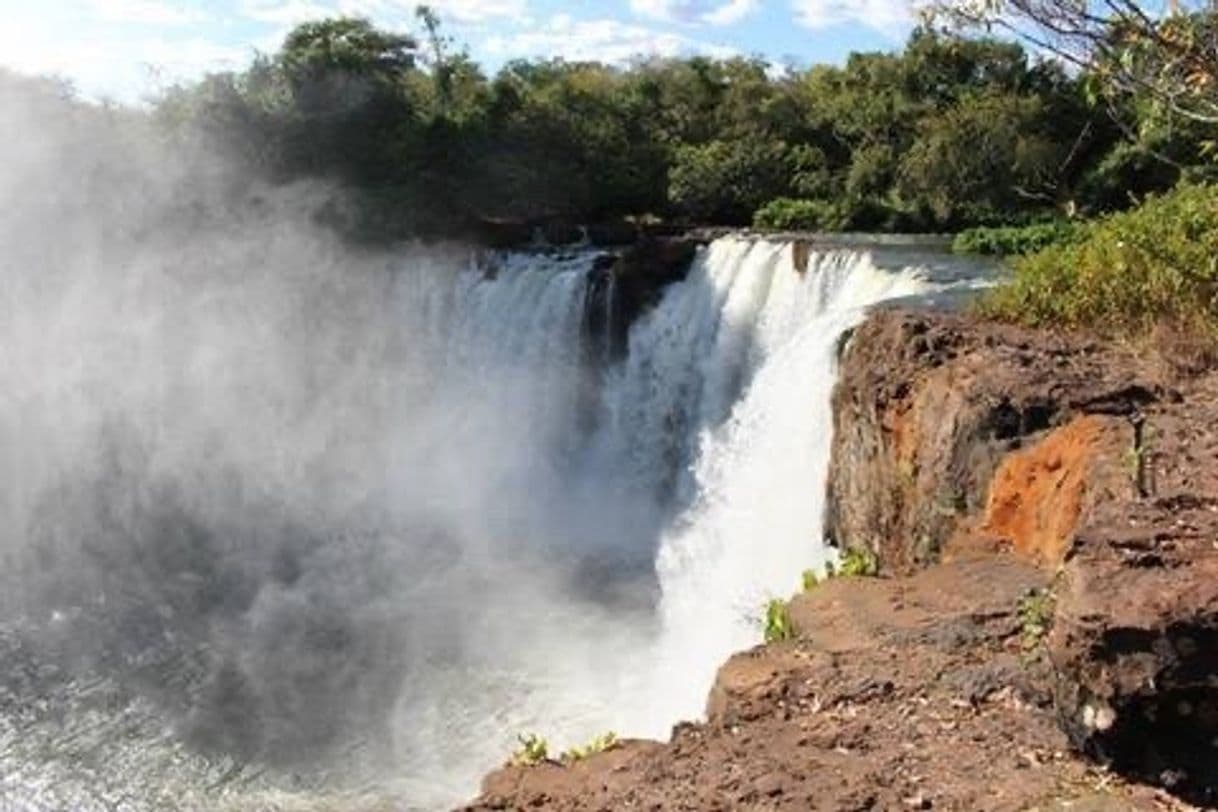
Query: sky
(126, 49)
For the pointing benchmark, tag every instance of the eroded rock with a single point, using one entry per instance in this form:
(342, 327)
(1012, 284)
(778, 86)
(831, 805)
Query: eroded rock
(929, 405)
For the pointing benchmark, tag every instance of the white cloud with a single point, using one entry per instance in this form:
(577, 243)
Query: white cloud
(892, 17)
(458, 11)
(604, 40)
(731, 13)
(291, 12)
(477, 11)
(144, 12)
(713, 12)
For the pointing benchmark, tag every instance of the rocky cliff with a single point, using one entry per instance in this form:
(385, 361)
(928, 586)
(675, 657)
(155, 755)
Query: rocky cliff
(1045, 631)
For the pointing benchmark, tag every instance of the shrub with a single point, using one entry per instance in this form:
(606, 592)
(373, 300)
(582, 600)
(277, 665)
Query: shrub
(603, 742)
(533, 751)
(859, 563)
(1008, 240)
(1127, 273)
(809, 580)
(778, 624)
(790, 214)
(1035, 619)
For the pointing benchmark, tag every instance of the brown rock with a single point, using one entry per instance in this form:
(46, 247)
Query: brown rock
(928, 405)
(1135, 638)
(897, 694)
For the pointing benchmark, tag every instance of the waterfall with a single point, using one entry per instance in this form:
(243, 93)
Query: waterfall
(453, 501)
(754, 484)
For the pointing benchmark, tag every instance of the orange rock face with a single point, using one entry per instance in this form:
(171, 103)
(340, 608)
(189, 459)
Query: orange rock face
(1038, 494)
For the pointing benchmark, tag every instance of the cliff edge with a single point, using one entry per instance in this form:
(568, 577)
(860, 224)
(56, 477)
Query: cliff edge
(1044, 633)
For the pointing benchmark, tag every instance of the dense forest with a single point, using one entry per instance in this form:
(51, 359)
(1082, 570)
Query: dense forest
(949, 132)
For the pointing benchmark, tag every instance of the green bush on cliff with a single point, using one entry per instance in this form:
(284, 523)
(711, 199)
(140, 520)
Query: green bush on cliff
(1129, 273)
(1012, 240)
(778, 625)
(859, 563)
(600, 744)
(1035, 620)
(533, 751)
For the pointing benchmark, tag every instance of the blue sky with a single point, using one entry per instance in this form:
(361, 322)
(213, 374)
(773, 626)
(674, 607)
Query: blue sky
(124, 49)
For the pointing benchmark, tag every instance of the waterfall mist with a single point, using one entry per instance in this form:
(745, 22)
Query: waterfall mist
(284, 518)
(238, 482)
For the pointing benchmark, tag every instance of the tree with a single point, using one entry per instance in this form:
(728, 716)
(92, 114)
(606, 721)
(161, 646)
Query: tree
(1124, 46)
(441, 69)
(727, 181)
(338, 62)
(983, 160)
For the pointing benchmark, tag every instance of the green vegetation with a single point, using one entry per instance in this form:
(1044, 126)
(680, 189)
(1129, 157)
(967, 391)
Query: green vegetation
(1008, 240)
(1140, 453)
(777, 621)
(809, 580)
(603, 742)
(1035, 619)
(789, 214)
(949, 133)
(1127, 273)
(533, 751)
(859, 563)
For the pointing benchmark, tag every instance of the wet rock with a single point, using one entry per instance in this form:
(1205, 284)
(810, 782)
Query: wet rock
(561, 232)
(612, 233)
(503, 234)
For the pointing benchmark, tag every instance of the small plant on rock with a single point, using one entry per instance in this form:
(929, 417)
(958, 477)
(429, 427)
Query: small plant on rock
(602, 743)
(860, 563)
(1138, 456)
(533, 751)
(778, 624)
(809, 580)
(1035, 620)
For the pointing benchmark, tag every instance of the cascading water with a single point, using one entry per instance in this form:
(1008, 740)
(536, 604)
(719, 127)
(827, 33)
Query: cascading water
(507, 531)
(751, 523)
(707, 452)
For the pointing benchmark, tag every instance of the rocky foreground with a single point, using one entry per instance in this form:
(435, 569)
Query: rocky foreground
(1044, 633)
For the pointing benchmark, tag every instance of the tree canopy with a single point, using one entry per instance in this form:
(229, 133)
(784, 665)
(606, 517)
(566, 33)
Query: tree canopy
(951, 131)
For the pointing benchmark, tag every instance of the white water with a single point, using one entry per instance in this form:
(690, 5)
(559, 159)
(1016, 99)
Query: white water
(513, 541)
(709, 453)
(757, 477)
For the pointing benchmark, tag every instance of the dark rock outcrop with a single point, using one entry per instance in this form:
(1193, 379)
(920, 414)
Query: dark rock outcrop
(647, 267)
(502, 234)
(612, 233)
(626, 284)
(561, 232)
(1135, 638)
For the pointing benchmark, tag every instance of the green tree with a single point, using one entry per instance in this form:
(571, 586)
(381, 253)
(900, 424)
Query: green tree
(986, 159)
(726, 181)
